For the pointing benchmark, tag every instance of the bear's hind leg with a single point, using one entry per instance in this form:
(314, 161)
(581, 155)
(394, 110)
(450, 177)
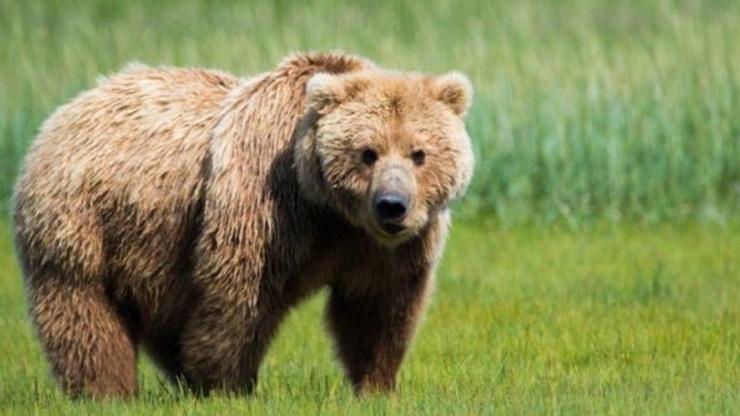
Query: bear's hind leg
(89, 346)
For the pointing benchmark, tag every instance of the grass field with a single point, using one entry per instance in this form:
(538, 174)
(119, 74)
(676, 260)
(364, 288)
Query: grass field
(527, 321)
(585, 109)
(596, 266)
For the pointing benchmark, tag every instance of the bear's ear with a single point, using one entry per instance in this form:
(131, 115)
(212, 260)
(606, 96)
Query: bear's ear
(324, 92)
(454, 90)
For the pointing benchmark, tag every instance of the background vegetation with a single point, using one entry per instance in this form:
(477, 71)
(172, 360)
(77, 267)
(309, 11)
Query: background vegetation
(584, 109)
(594, 266)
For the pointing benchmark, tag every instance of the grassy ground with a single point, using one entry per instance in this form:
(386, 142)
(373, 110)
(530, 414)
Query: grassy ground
(584, 108)
(525, 321)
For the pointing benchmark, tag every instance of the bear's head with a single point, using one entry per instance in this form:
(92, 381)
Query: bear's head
(387, 150)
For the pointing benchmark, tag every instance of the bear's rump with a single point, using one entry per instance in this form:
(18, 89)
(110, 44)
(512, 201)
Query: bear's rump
(113, 183)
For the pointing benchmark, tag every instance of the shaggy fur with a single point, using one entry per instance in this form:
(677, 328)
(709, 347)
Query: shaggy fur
(185, 211)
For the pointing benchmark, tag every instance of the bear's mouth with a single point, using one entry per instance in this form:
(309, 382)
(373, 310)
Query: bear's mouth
(391, 228)
(390, 234)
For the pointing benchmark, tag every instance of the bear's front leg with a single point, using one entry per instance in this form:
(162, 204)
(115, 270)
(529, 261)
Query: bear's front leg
(223, 345)
(373, 329)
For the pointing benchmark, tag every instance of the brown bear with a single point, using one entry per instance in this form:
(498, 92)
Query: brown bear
(185, 211)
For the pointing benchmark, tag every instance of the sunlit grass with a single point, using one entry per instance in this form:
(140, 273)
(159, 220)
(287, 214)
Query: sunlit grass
(525, 321)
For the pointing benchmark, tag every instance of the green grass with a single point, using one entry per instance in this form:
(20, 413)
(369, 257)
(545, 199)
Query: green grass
(618, 320)
(585, 110)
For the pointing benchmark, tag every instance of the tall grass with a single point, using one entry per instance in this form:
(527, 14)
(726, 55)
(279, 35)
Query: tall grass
(584, 109)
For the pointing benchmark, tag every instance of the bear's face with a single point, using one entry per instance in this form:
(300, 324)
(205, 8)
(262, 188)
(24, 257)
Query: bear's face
(387, 150)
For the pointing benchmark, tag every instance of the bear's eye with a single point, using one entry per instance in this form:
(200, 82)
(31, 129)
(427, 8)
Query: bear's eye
(418, 157)
(369, 156)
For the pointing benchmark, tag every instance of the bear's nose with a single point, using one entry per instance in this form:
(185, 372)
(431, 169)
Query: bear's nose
(391, 206)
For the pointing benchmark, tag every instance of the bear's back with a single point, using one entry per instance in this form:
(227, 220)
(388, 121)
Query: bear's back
(121, 162)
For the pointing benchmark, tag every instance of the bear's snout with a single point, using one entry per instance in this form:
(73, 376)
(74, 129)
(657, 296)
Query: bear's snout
(391, 208)
(393, 197)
